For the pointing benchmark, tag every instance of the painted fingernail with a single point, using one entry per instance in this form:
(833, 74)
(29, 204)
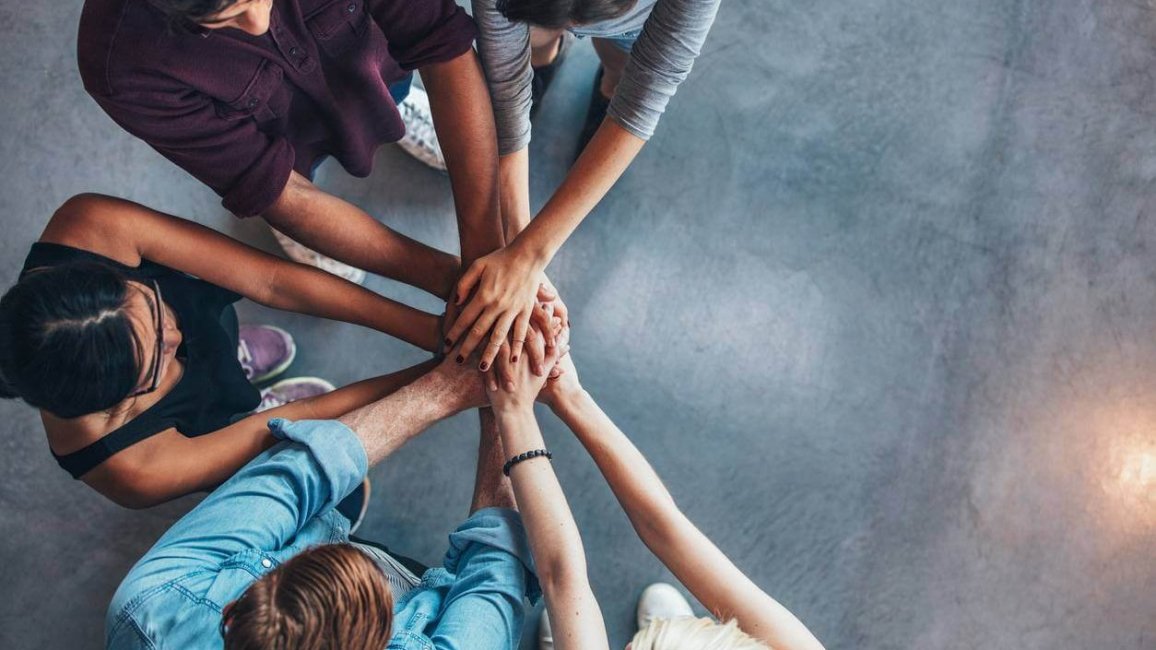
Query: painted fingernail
(514, 359)
(448, 341)
(460, 359)
(484, 367)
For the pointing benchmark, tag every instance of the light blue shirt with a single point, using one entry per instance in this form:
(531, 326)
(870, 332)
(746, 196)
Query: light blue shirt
(282, 503)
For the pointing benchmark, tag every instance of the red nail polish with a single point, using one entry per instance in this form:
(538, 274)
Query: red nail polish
(514, 359)
(448, 341)
(460, 359)
(484, 367)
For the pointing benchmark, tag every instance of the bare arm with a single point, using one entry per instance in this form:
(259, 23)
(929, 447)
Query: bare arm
(460, 103)
(705, 570)
(128, 232)
(575, 616)
(341, 230)
(169, 465)
(504, 284)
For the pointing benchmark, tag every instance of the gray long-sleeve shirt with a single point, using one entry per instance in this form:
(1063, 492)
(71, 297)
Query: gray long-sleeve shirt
(673, 32)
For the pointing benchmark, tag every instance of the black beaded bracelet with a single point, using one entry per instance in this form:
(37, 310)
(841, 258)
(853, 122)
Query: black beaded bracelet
(526, 455)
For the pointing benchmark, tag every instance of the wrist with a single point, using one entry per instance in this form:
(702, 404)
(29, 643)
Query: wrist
(570, 401)
(513, 407)
(527, 249)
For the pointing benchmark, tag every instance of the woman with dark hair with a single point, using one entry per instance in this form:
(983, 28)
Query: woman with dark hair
(122, 332)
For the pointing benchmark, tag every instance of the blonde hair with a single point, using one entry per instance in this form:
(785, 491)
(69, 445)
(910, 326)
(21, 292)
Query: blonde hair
(689, 633)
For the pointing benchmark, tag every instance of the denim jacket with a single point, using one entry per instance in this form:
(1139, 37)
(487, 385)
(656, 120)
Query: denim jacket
(282, 503)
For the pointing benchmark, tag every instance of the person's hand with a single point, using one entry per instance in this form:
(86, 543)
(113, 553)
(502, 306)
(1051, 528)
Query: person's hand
(504, 287)
(562, 383)
(538, 344)
(526, 385)
(463, 381)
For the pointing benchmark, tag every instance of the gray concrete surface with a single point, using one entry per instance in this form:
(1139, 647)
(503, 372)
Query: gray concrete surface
(878, 301)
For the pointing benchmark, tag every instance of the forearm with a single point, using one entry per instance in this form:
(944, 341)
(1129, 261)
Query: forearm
(599, 167)
(514, 174)
(387, 424)
(554, 536)
(643, 496)
(689, 554)
(343, 231)
(307, 290)
(460, 103)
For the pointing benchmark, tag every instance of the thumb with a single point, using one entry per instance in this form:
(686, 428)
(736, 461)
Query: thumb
(546, 294)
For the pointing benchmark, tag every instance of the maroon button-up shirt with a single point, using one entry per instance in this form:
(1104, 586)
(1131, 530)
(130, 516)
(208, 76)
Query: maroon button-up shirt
(239, 112)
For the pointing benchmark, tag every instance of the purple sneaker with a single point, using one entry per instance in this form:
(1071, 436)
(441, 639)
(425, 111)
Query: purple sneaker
(264, 351)
(291, 390)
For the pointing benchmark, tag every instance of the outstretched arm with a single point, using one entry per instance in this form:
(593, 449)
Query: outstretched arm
(128, 232)
(554, 539)
(705, 570)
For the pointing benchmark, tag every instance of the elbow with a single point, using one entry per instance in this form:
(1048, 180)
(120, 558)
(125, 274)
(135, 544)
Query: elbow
(562, 575)
(135, 492)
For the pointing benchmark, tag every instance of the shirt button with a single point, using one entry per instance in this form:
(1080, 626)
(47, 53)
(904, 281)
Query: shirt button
(294, 51)
(266, 563)
(253, 101)
(351, 7)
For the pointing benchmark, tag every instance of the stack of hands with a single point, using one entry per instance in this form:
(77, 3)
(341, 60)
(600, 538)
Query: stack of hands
(516, 372)
(504, 322)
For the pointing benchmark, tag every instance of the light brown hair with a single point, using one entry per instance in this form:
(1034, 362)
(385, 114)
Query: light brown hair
(330, 597)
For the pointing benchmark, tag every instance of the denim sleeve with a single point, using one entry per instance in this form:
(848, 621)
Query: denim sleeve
(504, 48)
(267, 502)
(660, 60)
(490, 557)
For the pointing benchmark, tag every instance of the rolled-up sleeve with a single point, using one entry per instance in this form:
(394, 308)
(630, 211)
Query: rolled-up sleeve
(504, 47)
(268, 501)
(490, 557)
(421, 32)
(246, 167)
(660, 60)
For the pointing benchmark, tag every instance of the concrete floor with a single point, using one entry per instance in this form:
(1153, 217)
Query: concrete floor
(878, 301)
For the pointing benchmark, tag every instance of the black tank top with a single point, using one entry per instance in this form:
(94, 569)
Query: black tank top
(213, 391)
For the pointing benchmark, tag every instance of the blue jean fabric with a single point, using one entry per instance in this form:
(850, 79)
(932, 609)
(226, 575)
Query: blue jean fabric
(281, 504)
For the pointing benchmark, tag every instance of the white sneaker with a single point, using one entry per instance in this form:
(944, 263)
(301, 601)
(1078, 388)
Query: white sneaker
(304, 255)
(661, 600)
(291, 390)
(545, 634)
(420, 139)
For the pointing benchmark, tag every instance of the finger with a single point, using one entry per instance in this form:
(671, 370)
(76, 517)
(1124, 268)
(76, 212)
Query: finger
(519, 338)
(464, 320)
(476, 335)
(498, 335)
(537, 354)
(533, 351)
(492, 381)
(504, 369)
(547, 332)
(467, 282)
(556, 328)
(546, 294)
(562, 311)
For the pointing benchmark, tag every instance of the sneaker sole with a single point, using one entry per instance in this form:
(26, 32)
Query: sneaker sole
(283, 366)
